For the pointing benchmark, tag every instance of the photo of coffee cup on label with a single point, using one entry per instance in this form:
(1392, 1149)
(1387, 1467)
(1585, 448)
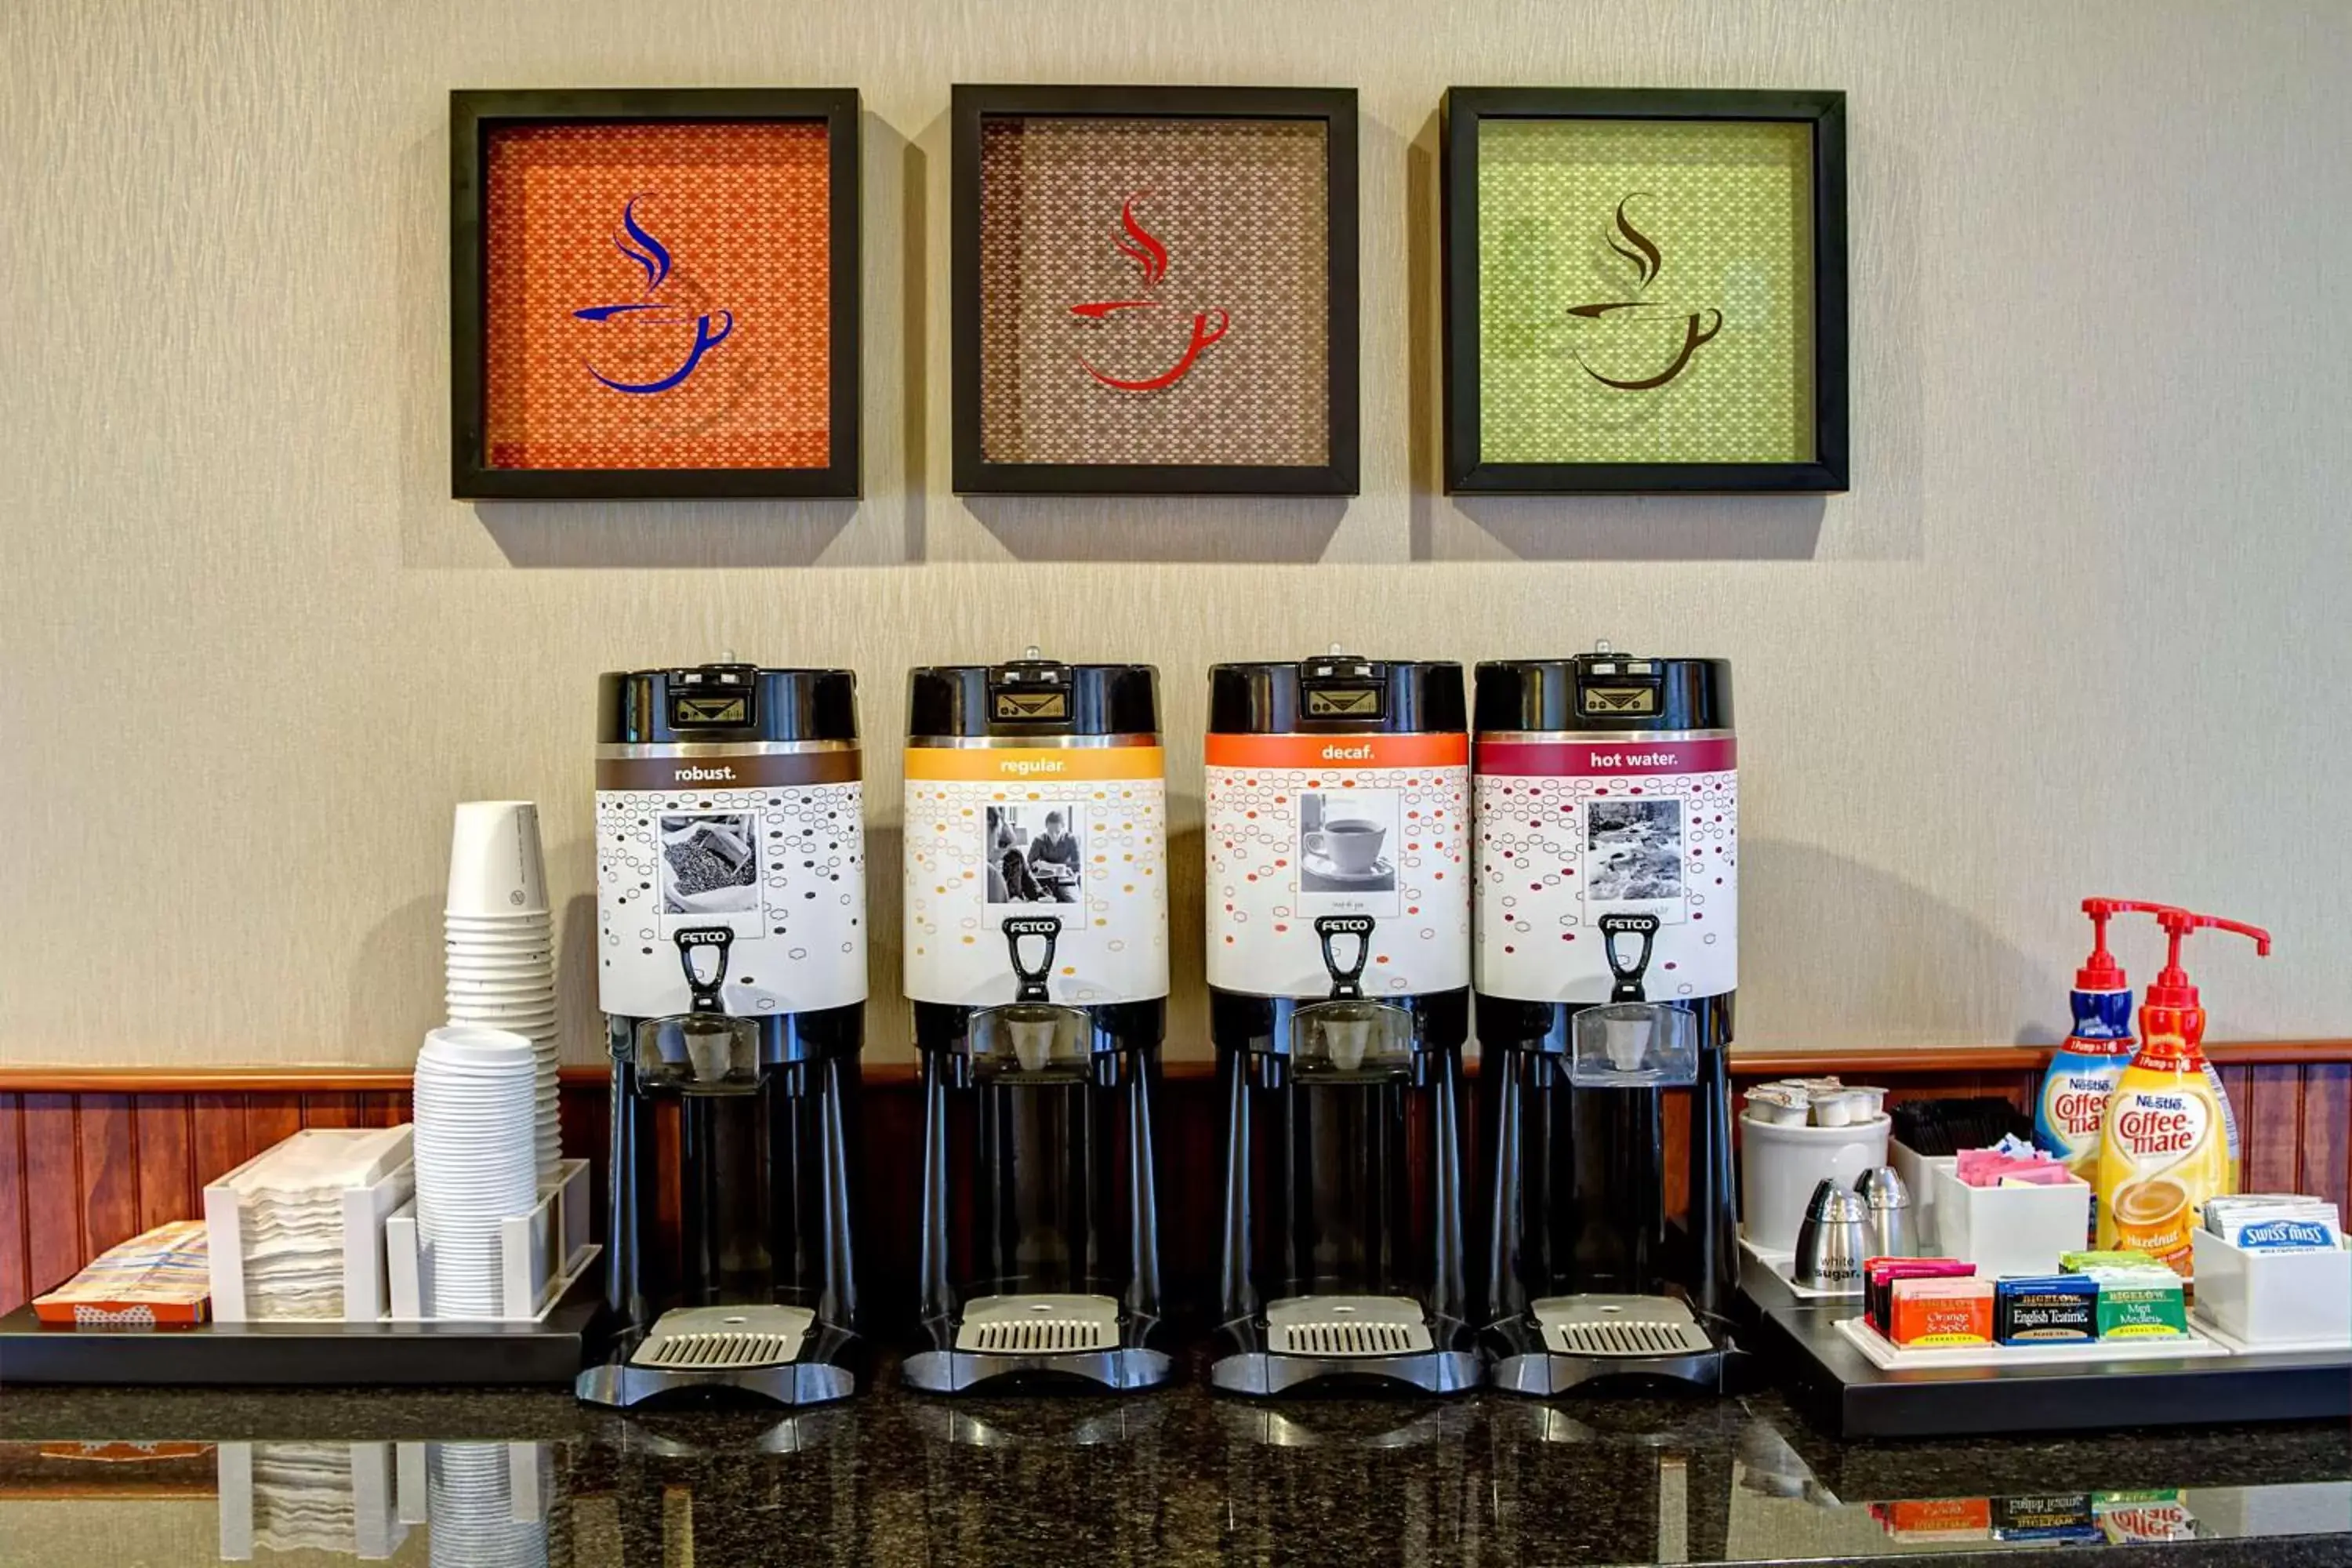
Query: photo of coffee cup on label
(1347, 842)
(2152, 1216)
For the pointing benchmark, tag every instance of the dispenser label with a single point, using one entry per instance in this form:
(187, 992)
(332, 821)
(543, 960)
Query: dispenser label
(1305, 827)
(771, 847)
(1570, 832)
(1003, 837)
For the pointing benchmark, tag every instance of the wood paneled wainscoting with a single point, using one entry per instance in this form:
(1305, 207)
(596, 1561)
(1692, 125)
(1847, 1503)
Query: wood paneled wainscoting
(90, 1157)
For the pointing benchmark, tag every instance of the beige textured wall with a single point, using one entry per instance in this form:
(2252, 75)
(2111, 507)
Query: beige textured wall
(2080, 625)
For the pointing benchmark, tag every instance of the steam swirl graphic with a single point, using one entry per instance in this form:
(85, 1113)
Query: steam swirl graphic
(637, 243)
(1143, 248)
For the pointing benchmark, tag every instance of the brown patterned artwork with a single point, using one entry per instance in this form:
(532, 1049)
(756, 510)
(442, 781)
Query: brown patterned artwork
(1154, 291)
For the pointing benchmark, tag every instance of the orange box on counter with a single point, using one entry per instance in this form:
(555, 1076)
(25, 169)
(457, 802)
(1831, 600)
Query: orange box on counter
(1940, 1311)
(159, 1279)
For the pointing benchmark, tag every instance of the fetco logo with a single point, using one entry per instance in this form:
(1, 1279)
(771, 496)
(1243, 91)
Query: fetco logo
(705, 775)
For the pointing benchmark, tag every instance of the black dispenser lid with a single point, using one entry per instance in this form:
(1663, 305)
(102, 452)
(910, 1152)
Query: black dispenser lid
(1032, 696)
(1338, 694)
(723, 702)
(1605, 690)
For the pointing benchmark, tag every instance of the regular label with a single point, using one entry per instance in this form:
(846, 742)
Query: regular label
(1302, 829)
(1572, 831)
(1075, 835)
(768, 845)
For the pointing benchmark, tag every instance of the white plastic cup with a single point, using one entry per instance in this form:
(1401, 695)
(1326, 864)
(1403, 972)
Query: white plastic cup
(476, 1158)
(496, 864)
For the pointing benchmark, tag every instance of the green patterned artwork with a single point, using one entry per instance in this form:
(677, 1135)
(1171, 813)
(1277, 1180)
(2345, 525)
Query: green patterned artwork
(1645, 291)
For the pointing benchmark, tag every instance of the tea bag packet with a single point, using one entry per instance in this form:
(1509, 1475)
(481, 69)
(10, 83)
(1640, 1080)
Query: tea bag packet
(2140, 1303)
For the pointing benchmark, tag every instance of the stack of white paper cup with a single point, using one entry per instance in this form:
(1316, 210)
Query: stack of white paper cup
(475, 1166)
(500, 946)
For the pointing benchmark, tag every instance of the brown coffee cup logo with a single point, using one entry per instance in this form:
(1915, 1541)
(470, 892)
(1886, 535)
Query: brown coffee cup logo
(1631, 338)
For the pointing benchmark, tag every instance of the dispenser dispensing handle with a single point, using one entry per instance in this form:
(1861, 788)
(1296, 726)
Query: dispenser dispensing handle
(1346, 980)
(692, 942)
(2172, 987)
(2180, 922)
(2100, 971)
(1629, 976)
(1034, 987)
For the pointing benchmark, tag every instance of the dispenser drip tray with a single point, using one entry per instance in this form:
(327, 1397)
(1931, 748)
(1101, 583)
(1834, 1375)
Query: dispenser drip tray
(1345, 1326)
(1613, 1326)
(1039, 1325)
(725, 1338)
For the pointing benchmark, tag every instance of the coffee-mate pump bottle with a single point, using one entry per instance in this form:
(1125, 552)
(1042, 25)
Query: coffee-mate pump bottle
(2165, 1144)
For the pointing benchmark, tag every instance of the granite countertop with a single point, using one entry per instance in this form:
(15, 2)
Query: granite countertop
(1178, 1475)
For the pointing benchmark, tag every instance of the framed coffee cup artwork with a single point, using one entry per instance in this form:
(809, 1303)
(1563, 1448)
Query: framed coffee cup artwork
(653, 293)
(1155, 290)
(1644, 290)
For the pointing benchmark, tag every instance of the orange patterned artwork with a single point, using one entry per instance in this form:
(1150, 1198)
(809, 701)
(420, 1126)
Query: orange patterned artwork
(657, 296)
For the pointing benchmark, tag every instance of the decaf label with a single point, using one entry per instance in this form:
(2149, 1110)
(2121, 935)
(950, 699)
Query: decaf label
(782, 866)
(1308, 828)
(1075, 835)
(1573, 832)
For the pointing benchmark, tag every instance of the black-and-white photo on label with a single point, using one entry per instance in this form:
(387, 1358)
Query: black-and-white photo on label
(1034, 852)
(1348, 848)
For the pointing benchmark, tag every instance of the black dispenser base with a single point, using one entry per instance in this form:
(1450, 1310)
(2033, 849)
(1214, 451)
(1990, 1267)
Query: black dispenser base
(1246, 1364)
(1522, 1359)
(831, 1366)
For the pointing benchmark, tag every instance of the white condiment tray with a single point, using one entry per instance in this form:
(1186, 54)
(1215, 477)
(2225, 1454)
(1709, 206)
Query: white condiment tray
(1888, 1356)
(1781, 1263)
(2274, 1300)
(2204, 1324)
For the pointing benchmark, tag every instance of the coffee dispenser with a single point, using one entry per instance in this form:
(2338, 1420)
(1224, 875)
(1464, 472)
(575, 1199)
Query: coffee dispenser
(1608, 876)
(1339, 900)
(1036, 958)
(731, 962)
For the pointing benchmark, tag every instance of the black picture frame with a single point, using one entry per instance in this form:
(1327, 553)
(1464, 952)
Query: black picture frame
(1464, 109)
(1336, 108)
(474, 114)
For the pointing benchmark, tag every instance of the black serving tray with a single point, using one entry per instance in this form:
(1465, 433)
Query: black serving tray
(550, 1351)
(1840, 1387)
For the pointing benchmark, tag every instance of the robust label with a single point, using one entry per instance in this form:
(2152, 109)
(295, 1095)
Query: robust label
(1304, 830)
(1000, 839)
(769, 847)
(1571, 831)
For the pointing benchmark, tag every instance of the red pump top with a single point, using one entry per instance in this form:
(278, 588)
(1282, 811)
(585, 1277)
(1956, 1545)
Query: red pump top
(2100, 971)
(2172, 988)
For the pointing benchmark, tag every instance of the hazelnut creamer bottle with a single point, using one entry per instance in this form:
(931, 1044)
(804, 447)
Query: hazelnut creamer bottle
(2165, 1144)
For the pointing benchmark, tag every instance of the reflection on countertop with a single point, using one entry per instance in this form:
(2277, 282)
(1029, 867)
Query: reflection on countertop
(507, 1477)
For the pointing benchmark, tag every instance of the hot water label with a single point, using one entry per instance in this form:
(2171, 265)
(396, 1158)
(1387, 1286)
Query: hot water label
(1570, 831)
(768, 844)
(1002, 834)
(1302, 828)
